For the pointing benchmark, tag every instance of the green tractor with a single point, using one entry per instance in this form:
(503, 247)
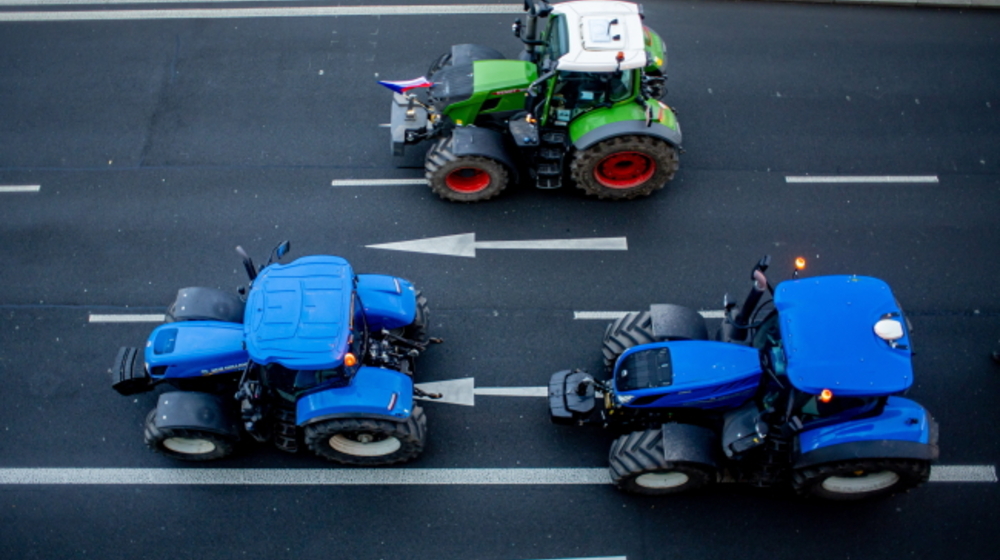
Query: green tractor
(583, 102)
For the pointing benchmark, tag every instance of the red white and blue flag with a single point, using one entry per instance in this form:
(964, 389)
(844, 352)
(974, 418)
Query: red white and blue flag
(406, 85)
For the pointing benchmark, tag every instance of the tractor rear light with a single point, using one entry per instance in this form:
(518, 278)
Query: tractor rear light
(825, 396)
(350, 360)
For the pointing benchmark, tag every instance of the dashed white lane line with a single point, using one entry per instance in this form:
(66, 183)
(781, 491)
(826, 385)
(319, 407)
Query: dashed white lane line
(128, 318)
(370, 477)
(375, 182)
(861, 179)
(964, 473)
(612, 315)
(19, 188)
(222, 13)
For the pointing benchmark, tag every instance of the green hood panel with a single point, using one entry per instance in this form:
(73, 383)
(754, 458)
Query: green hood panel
(500, 75)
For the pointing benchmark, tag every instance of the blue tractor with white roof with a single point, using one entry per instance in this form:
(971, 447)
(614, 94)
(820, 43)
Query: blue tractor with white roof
(802, 386)
(311, 354)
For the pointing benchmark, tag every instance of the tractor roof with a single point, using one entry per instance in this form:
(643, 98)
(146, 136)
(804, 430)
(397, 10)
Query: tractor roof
(298, 315)
(828, 331)
(598, 31)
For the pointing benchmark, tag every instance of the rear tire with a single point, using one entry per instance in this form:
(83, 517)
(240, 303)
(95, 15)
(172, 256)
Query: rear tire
(368, 442)
(186, 445)
(624, 167)
(625, 332)
(860, 479)
(638, 467)
(463, 178)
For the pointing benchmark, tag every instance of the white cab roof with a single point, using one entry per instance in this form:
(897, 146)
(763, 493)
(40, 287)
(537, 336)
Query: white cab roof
(595, 39)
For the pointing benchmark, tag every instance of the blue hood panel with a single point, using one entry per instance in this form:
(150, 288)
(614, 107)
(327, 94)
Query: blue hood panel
(195, 348)
(298, 314)
(827, 331)
(389, 302)
(704, 374)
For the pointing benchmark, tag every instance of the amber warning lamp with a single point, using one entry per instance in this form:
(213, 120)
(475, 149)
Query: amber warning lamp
(800, 264)
(350, 360)
(825, 396)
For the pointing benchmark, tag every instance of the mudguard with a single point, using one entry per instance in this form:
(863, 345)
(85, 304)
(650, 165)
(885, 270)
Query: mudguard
(389, 302)
(686, 443)
(206, 304)
(476, 141)
(196, 411)
(623, 120)
(195, 349)
(379, 393)
(904, 429)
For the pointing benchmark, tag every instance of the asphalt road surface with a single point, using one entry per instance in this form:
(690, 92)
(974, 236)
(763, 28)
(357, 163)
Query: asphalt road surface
(137, 153)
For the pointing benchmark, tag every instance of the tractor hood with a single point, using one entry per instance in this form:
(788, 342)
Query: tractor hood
(299, 314)
(830, 329)
(195, 349)
(687, 373)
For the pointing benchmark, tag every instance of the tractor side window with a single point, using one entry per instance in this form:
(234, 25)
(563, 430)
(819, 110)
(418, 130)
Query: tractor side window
(586, 90)
(556, 38)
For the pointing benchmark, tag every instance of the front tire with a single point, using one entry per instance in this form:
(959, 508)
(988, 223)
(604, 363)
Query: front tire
(186, 445)
(368, 442)
(638, 467)
(860, 479)
(624, 167)
(463, 178)
(633, 329)
(417, 330)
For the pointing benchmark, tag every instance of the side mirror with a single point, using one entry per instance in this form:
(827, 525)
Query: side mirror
(247, 263)
(516, 28)
(282, 249)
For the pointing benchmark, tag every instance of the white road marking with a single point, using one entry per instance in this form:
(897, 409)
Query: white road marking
(127, 318)
(612, 315)
(20, 188)
(861, 179)
(465, 245)
(223, 13)
(963, 473)
(596, 558)
(364, 477)
(375, 182)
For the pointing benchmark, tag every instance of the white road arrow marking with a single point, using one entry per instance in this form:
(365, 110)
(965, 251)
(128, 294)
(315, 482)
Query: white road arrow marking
(463, 391)
(465, 245)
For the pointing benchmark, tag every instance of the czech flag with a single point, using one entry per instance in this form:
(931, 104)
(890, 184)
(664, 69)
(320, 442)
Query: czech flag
(406, 85)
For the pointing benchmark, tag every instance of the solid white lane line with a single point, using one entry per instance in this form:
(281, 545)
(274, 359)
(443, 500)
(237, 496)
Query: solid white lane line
(370, 477)
(612, 315)
(318, 477)
(861, 179)
(222, 13)
(128, 318)
(375, 182)
(19, 188)
(964, 473)
(586, 244)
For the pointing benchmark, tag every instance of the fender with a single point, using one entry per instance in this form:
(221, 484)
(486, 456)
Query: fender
(195, 348)
(622, 120)
(904, 429)
(389, 302)
(687, 443)
(196, 411)
(379, 393)
(476, 141)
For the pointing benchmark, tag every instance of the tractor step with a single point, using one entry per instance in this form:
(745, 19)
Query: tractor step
(549, 164)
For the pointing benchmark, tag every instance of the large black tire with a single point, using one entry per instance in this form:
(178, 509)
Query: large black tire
(860, 479)
(417, 330)
(625, 332)
(368, 442)
(638, 467)
(463, 178)
(186, 445)
(624, 167)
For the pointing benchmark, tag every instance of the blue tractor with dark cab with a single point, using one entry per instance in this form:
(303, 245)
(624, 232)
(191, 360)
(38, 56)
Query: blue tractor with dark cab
(311, 354)
(801, 387)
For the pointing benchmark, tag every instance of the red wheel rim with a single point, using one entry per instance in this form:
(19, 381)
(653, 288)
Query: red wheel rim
(467, 180)
(624, 170)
